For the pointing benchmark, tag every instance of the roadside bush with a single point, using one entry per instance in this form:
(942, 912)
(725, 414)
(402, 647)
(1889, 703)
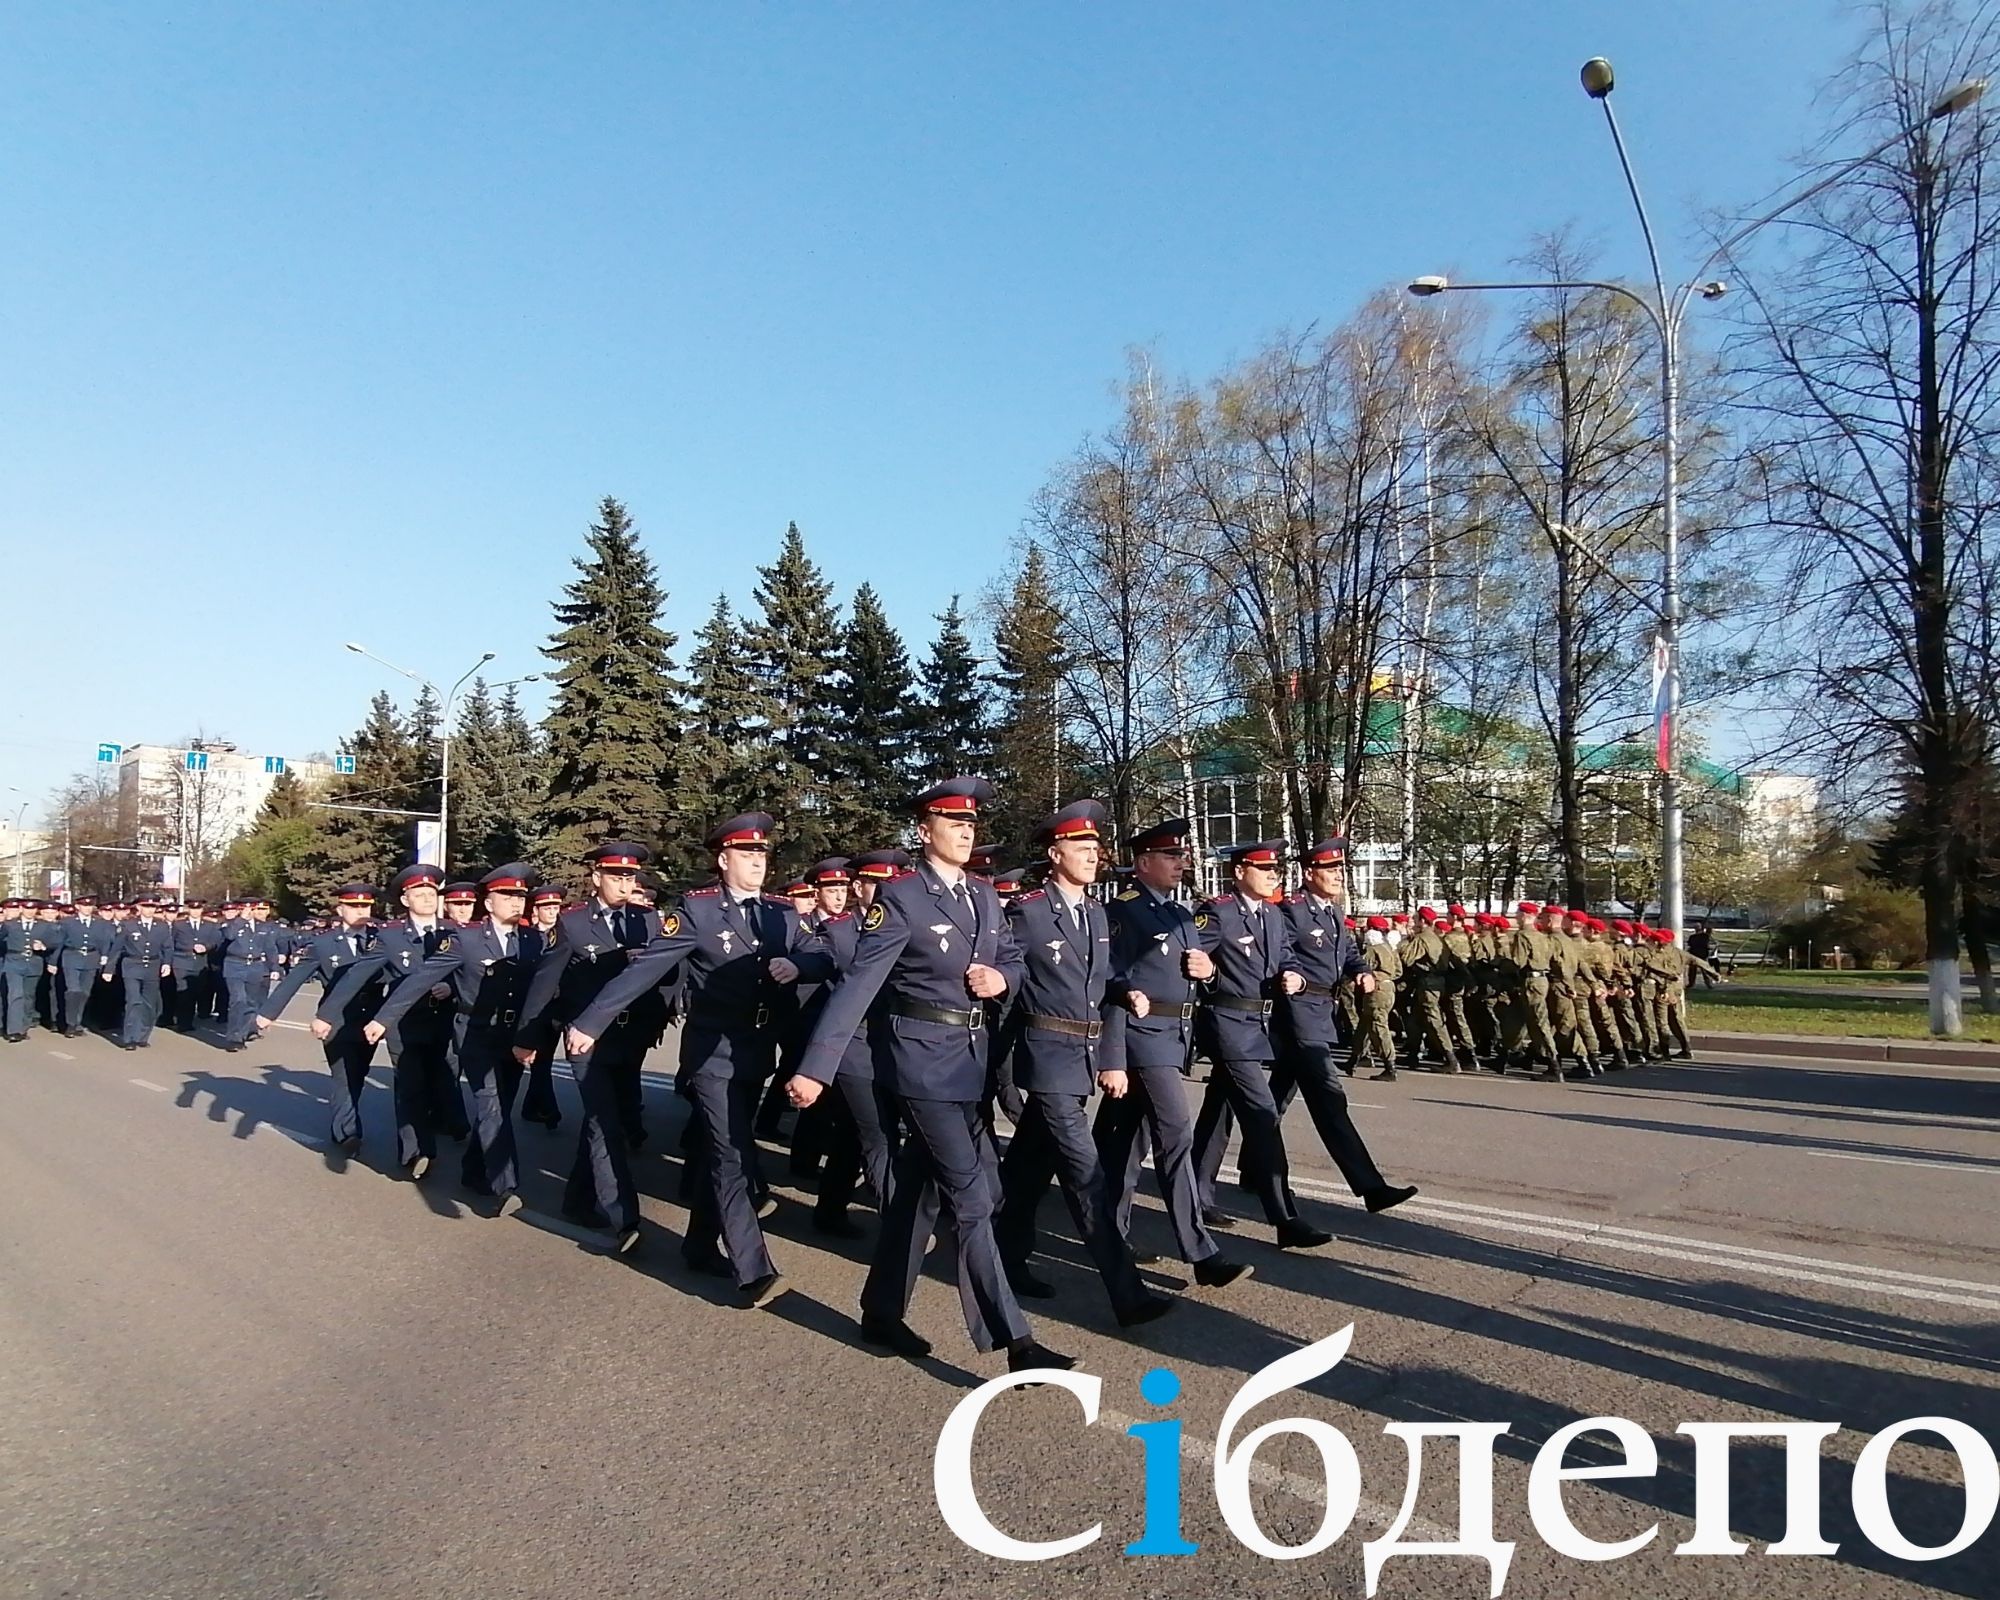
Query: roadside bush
(1880, 928)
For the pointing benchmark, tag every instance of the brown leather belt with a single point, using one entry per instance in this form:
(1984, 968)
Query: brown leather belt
(1323, 990)
(1067, 1025)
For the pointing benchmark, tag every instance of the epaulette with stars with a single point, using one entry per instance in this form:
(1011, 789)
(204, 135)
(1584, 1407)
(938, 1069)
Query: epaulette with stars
(1128, 894)
(1026, 895)
(711, 890)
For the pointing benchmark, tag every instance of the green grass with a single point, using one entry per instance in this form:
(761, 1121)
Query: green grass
(1717, 1010)
(1807, 979)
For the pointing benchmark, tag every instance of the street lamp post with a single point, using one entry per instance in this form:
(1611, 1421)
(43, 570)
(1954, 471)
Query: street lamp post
(1667, 313)
(20, 817)
(447, 701)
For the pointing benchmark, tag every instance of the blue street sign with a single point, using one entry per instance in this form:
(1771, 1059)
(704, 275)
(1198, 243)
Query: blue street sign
(343, 764)
(110, 752)
(195, 760)
(274, 763)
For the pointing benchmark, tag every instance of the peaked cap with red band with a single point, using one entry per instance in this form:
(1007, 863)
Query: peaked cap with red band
(619, 855)
(879, 866)
(1081, 819)
(751, 828)
(1264, 853)
(1328, 853)
(957, 798)
(516, 877)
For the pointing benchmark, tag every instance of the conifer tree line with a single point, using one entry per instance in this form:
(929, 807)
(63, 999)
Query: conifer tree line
(793, 704)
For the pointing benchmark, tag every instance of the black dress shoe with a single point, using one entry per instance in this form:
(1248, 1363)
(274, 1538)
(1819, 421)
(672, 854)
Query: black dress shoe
(1388, 1195)
(1027, 1355)
(349, 1146)
(628, 1241)
(1215, 1217)
(1029, 1287)
(1150, 1309)
(766, 1206)
(837, 1227)
(1298, 1234)
(1386, 1075)
(896, 1336)
(1218, 1273)
(711, 1263)
(760, 1292)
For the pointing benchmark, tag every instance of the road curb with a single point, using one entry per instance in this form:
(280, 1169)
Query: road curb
(1907, 1052)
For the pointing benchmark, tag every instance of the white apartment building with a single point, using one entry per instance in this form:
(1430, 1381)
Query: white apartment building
(192, 803)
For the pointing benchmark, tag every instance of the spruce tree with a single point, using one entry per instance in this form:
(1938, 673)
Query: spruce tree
(867, 803)
(612, 728)
(493, 781)
(260, 861)
(951, 735)
(794, 646)
(719, 751)
(1029, 658)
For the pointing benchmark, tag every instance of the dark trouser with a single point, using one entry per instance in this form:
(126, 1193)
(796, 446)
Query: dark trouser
(1154, 1111)
(193, 995)
(724, 1208)
(427, 1097)
(1240, 1091)
(17, 994)
(539, 1104)
(1053, 1141)
(627, 1074)
(941, 1168)
(348, 1057)
(249, 987)
(858, 1121)
(600, 1179)
(142, 1000)
(1308, 1069)
(216, 994)
(79, 978)
(486, 1057)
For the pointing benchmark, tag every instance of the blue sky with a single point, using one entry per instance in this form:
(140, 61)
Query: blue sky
(333, 322)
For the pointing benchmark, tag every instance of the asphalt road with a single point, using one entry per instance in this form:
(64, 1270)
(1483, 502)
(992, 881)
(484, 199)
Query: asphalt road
(232, 1366)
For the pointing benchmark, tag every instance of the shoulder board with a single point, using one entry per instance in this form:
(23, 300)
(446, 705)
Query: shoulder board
(904, 872)
(776, 900)
(845, 916)
(711, 892)
(1032, 894)
(1212, 905)
(1128, 894)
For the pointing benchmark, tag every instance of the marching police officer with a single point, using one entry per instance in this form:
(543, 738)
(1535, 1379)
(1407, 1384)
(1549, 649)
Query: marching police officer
(249, 957)
(145, 946)
(832, 884)
(82, 954)
(1247, 938)
(860, 1132)
(481, 962)
(196, 937)
(1156, 959)
(539, 1104)
(590, 946)
(935, 946)
(21, 950)
(428, 1102)
(1056, 1034)
(348, 963)
(741, 947)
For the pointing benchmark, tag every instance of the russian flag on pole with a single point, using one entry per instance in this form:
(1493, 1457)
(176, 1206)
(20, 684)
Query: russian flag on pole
(1663, 703)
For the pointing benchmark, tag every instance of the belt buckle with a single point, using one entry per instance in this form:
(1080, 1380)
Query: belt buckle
(761, 1018)
(621, 1019)
(975, 1019)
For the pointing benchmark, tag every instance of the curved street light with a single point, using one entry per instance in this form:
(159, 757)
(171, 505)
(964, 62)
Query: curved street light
(444, 733)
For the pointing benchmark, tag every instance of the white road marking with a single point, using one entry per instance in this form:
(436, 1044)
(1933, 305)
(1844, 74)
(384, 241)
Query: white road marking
(157, 1088)
(62, 1055)
(1696, 1252)
(1986, 1170)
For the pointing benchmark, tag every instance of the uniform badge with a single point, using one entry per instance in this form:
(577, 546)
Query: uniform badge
(725, 936)
(671, 924)
(1201, 919)
(444, 944)
(1319, 936)
(875, 918)
(943, 931)
(1055, 946)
